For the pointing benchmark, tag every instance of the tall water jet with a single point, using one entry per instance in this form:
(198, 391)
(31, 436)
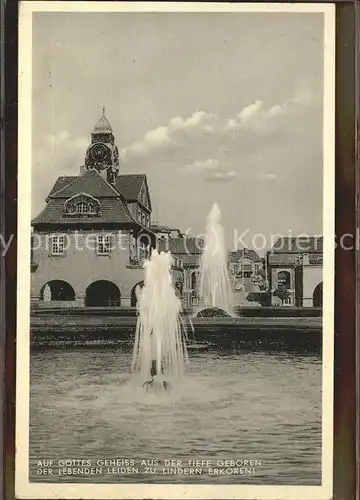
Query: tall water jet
(160, 339)
(215, 285)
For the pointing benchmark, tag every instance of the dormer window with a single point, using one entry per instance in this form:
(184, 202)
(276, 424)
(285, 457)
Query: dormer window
(83, 208)
(82, 205)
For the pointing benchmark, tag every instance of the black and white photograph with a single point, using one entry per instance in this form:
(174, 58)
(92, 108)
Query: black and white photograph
(175, 256)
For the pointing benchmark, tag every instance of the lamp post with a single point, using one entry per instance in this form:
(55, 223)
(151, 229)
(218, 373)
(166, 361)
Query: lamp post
(299, 259)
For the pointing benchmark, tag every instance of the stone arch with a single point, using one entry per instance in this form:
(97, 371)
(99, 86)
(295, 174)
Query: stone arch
(102, 293)
(135, 289)
(57, 290)
(318, 295)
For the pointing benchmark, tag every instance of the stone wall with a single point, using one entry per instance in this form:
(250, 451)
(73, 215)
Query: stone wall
(80, 265)
(312, 276)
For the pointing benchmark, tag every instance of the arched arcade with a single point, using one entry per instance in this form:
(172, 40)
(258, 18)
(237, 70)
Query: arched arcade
(102, 293)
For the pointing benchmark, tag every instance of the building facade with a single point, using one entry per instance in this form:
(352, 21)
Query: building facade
(295, 265)
(90, 240)
(245, 264)
(186, 252)
(247, 277)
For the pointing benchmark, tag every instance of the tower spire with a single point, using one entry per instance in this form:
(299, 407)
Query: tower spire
(102, 126)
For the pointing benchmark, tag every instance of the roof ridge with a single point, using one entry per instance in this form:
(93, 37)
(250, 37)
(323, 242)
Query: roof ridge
(81, 193)
(92, 171)
(107, 183)
(128, 174)
(120, 197)
(76, 178)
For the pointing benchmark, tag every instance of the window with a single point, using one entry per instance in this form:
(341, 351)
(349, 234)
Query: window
(80, 205)
(139, 215)
(245, 267)
(103, 244)
(58, 244)
(245, 270)
(143, 219)
(284, 279)
(82, 208)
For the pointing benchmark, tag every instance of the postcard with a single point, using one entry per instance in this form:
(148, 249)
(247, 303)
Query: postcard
(175, 305)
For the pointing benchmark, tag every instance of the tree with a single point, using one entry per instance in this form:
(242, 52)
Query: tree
(283, 294)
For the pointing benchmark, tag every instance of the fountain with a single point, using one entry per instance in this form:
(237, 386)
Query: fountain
(159, 351)
(47, 293)
(215, 289)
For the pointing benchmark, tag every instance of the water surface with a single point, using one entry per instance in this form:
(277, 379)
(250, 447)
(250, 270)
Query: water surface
(232, 405)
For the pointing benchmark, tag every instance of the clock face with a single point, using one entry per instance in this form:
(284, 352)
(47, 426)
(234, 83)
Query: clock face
(100, 153)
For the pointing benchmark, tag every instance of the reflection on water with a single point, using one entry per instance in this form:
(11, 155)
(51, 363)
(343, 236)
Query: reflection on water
(231, 405)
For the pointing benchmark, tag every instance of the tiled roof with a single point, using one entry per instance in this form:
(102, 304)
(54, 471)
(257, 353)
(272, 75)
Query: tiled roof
(112, 199)
(181, 246)
(62, 182)
(113, 207)
(91, 183)
(157, 228)
(247, 253)
(129, 185)
(309, 244)
(112, 210)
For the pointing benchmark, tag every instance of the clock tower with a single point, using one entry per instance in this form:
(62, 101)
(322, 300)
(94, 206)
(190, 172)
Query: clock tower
(102, 154)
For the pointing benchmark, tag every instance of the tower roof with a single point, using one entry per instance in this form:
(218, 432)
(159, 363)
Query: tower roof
(103, 126)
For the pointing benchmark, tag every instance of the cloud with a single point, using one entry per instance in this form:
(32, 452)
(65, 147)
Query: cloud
(167, 136)
(270, 176)
(220, 175)
(201, 165)
(199, 119)
(209, 169)
(184, 139)
(257, 117)
(203, 146)
(262, 119)
(250, 111)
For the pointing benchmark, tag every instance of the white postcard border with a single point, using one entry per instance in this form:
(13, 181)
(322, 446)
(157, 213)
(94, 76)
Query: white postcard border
(30, 490)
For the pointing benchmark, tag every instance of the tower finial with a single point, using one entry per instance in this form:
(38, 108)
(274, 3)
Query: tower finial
(104, 110)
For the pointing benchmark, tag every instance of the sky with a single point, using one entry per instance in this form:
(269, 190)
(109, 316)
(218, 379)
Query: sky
(223, 107)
